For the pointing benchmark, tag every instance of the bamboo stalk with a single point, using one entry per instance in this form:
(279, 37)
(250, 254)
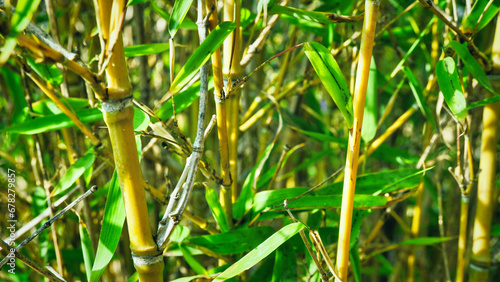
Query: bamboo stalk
(371, 11)
(232, 71)
(481, 253)
(118, 115)
(220, 109)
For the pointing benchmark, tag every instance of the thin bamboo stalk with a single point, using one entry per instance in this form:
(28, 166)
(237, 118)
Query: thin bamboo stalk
(231, 71)
(370, 22)
(118, 115)
(220, 109)
(481, 253)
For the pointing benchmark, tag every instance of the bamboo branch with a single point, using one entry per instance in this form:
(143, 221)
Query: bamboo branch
(182, 191)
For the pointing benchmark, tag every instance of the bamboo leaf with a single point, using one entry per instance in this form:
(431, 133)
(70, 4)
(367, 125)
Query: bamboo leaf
(449, 83)
(146, 49)
(472, 20)
(162, 13)
(181, 7)
(483, 102)
(74, 172)
(472, 65)
(193, 263)
(48, 107)
(135, 2)
(141, 120)
(19, 21)
(417, 91)
(232, 242)
(262, 251)
(49, 72)
(182, 100)
(313, 16)
(112, 224)
(426, 240)
(88, 252)
(329, 72)
(369, 128)
(212, 198)
(54, 122)
(285, 264)
(201, 55)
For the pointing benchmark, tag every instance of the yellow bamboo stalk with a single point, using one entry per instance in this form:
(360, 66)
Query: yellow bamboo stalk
(351, 166)
(481, 254)
(220, 110)
(231, 71)
(118, 115)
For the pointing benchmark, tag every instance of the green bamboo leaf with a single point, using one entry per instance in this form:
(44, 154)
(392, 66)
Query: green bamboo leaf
(49, 72)
(179, 234)
(426, 240)
(112, 224)
(370, 121)
(141, 120)
(285, 264)
(329, 72)
(74, 172)
(312, 16)
(162, 13)
(212, 198)
(324, 137)
(54, 122)
(262, 251)
(88, 252)
(472, 65)
(146, 49)
(417, 91)
(48, 107)
(179, 12)
(193, 263)
(472, 20)
(232, 242)
(19, 21)
(135, 2)
(201, 55)
(182, 100)
(13, 82)
(448, 80)
(356, 263)
(484, 102)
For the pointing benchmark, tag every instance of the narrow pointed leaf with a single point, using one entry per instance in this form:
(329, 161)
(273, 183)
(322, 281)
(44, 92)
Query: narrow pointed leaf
(212, 198)
(179, 12)
(262, 251)
(193, 263)
(146, 49)
(329, 72)
(88, 252)
(49, 72)
(471, 23)
(74, 172)
(426, 240)
(369, 128)
(472, 65)
(447, 76)
(313, 16)
(201, 55)
(112, 224)
(417, 91)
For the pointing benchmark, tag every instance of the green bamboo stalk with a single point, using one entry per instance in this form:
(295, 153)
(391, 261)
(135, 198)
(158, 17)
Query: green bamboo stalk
(351, 167)
(118, 115)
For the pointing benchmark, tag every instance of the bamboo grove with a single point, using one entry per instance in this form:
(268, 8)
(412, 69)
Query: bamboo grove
(203, 140)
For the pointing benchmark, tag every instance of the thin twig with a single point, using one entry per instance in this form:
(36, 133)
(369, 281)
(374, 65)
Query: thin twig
(49, 223)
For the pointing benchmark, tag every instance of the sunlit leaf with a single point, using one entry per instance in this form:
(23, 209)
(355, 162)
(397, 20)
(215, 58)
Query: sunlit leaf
(146, 49)
(201, 55)
(212, 198)
(313, 16)
(49, 72)
(417, 91)
(369, 128)
(193, 263)
(87, 250)
(232, 242)
(48, 107)
(74, 172)
(329, 72)
(426, 240)
(472, 24)
(261, 251)
(472, 65)
(447, 76)
(181, 7)
(112, 224)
